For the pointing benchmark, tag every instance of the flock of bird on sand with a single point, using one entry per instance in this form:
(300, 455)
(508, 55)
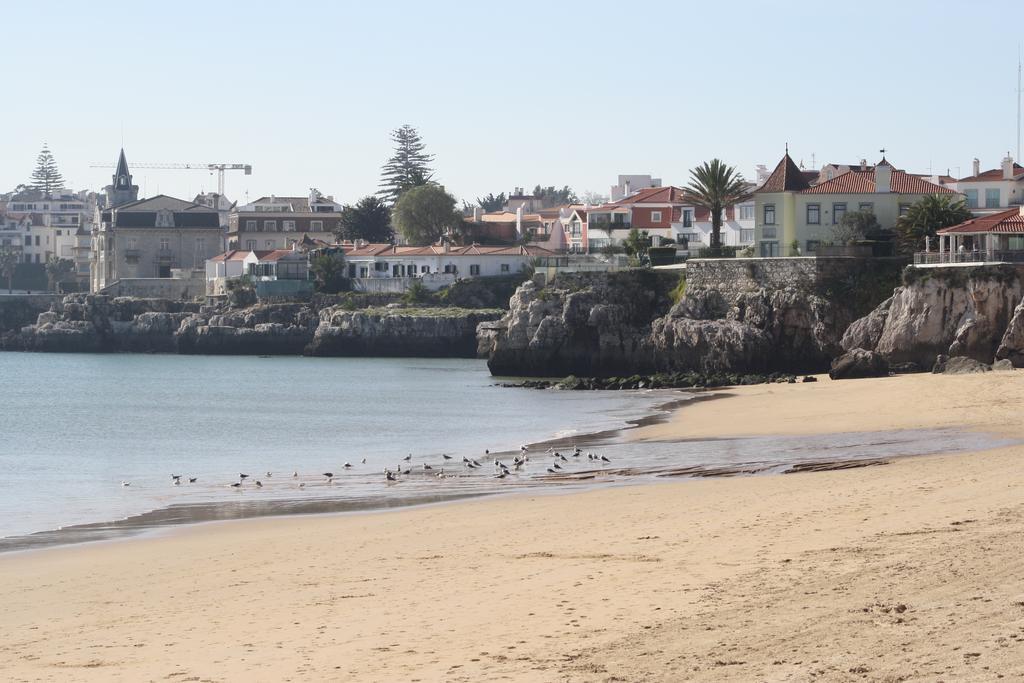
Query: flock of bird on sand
(501, 470)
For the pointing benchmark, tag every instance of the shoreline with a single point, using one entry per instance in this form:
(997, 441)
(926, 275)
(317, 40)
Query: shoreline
(184, 515)
(723, 579)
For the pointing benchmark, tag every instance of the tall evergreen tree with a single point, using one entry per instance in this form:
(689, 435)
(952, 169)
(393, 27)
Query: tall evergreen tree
(369, 219)
(46, 178)
(409, 166)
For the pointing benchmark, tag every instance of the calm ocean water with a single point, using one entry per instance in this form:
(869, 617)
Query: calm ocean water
(74, 426)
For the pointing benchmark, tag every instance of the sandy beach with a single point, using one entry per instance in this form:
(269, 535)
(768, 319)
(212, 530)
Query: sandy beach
(904, 571)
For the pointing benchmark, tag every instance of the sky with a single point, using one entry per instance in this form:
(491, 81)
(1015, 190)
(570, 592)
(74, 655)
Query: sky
(504, 94)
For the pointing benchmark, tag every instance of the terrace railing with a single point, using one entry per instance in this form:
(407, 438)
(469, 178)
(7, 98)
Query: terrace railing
(933, 258)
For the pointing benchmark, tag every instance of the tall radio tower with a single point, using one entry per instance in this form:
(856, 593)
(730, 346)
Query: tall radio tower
(1018, 100)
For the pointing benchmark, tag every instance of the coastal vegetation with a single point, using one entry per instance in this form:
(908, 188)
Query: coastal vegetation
(368, 219)
(426, 213)
(715, 185)
(409, 166)
(8, 265)
(927, 216)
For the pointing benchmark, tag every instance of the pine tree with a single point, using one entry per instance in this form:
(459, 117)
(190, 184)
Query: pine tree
(46, 178)
(408, 167)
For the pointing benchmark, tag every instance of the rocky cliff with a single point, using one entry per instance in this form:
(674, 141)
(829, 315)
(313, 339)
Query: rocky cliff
(975, 312)
(97, 323)
(736, 316)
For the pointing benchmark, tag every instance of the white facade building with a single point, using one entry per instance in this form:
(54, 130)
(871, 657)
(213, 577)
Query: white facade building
(390, 261)
(995, 190)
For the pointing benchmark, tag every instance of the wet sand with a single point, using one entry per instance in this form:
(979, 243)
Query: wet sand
(908, 571)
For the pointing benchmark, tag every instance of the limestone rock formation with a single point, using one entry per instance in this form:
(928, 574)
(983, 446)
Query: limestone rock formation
(957, 311)
(857, 363)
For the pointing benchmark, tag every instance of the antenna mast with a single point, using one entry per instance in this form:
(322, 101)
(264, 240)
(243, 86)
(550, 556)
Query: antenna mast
(1018, 100)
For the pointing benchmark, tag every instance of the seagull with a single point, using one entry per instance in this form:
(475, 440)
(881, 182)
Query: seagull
(487, 451)
(408, 457)
(576, 451)
(605, 458)
(269, 474)
(363, 461)
(302, 485)
(552, 471)
(177, 482)
(347, 466)
(192, 480)
(476, 464)
(175, 476)
(243, 476)
(259, 484)
(427, 467)
(126, 483)
(557, 466)
(501, 476)
(295, 474)
(329, 475)
(524, 448)
(389, 475)
(446, 456)
(407, 470)
(564, 459)
(236, 485)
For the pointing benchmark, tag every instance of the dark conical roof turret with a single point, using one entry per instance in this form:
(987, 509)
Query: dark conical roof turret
(122, 178)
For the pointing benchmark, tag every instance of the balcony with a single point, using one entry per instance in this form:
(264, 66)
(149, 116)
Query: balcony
(933, 258)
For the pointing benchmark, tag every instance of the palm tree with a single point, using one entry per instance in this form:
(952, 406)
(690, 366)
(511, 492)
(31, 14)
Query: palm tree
(57, 270)
(8, 264)
(714, 186)
(933, 212)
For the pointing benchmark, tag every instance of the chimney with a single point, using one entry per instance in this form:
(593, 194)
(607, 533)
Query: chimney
(519, 221)
(1007, 167)
(476, 214)
(863, 164)
(625, 189)
(977, 167)
(883, 177)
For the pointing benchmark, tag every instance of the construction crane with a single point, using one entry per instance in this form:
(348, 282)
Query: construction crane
(219, 168)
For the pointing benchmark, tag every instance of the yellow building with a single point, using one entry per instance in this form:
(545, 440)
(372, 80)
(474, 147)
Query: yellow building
(792, 207)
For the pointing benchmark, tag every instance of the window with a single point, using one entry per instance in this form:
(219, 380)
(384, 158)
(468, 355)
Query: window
(316, 226)
(288, 226)
(838, 211)
(814, 214)
(474, 269)
(991, 197)
(812, 246)
(269, 226)
(424, 269)
(769, 214)
(688, 217)
(655, 216)
(250, 226)
(904, 209)
(269, 244)
(746, 212)
(37, 240)
(28, 240)
(768, 233)
(687, 237)
(133, 244)
(746, 235)
(769, 248)
(250, 245)
(396, 270)
(165, 244)
(866, 206)
(58, 233)
(37, 258)
(505, 268)
(449, 268)
(972, 198)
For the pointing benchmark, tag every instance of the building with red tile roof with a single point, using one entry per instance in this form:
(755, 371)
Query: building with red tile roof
(790, 209)
(473, 260)
(993, 190)
(994, 238)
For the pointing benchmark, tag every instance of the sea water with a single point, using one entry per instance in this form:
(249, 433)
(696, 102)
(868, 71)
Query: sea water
(73, 427)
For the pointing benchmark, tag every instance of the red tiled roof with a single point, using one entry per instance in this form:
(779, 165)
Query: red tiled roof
(656, 195)
(437, 250)
(787, 177)
(863, 182)
(239, 255)
(1009, 221)
(994, 174)
(275, 255)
